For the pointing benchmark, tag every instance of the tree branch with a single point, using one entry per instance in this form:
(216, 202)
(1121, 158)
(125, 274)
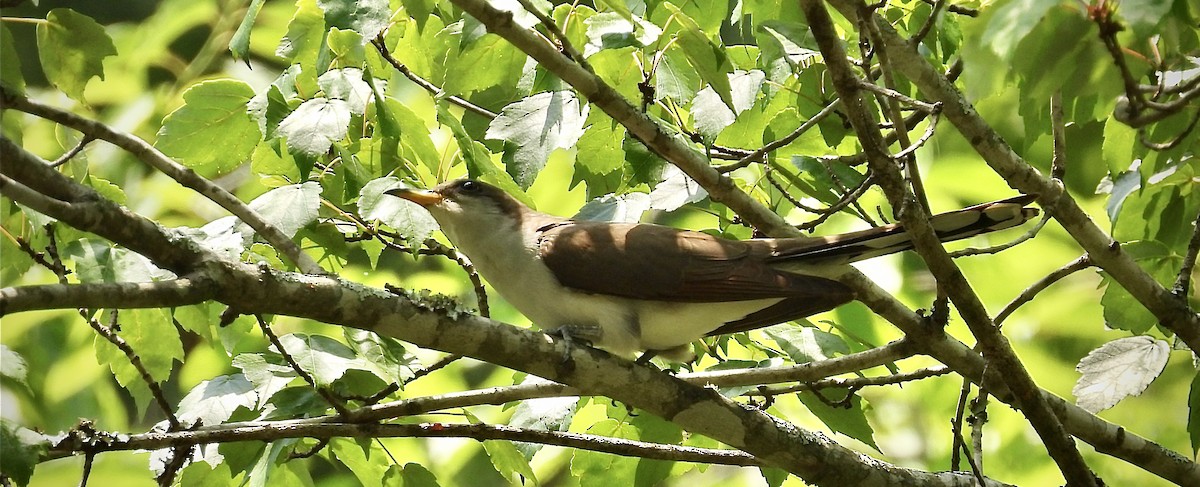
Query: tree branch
(186, 290)
(995, 347)
(156, 159)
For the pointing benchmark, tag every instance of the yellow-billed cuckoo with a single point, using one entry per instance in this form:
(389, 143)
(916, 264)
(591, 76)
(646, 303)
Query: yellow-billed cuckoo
(634, 286)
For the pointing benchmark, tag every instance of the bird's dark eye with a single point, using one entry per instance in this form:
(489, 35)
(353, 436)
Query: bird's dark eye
(470, 186)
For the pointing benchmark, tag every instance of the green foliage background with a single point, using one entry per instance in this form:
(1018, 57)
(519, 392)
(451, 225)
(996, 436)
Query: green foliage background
(329, 117)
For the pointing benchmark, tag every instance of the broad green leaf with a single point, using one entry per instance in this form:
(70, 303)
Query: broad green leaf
(410, 475)
(100, 262)
(1121, 310)
(544, 414)
(414, 136)
(625, 208)
(595, 469)
(1009, 22)
(12, 366)
(239, 44)
(406, 217)
(505, 457)
(347, 46)
(611, 30)
(851, 421)
(476, 157)
(10, 64)
(823, 181)
(653, 429)
(534, 127)
(1145, 17)
(214, 401)
(675, 190)
(774, 476)
(305, 35)
(367, 17)
(316, 125)
(674, 77)
(504, 66)
(385, 356)
(20, 450)
(289, 208)
(712, 114)
(324, 358)
(1118, 369)
(268, 378)
(806, 344)
(369, 469)
(212, 132)
(347, 84)
(707, 58)
(72, 48)
(599, 154)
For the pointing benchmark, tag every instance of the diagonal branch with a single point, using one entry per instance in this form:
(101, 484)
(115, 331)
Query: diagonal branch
(186, 290)
(993, 345)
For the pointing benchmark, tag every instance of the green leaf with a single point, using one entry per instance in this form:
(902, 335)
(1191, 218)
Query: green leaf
(1118, 369)
(611, 30)
(305, 35)
(10, 64)
(268, 378)
(316, 125)
(806, 344)
(534, 127)
(595, 469)
(625, 208)
(543, 414)
(385, 356)
(774, 476)
(509, 462)
(212, 132)
(675, 190)
(100, 262)
(674, 78)
(851, 421)
(707, 58)
(12, 366)
(324, 358)
(407, 218)
(72, 48)
(213, 401)
(239, 44)
(415, 137)
(410, 475)
(289, 208)
(475, 155)
(347, 84)
(20, 450)
(370, 470)
(367, 17)
(1121, 310)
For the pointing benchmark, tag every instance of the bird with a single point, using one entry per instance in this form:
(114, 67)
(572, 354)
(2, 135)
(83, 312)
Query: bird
(629, 287)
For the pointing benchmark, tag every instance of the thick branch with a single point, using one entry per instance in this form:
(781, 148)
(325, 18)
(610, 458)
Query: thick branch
(114, 295)
(156, 159)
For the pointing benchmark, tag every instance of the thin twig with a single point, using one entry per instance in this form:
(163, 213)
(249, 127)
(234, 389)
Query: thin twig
(758, 154)
(852, 383)
(1080, 263)
(136, 361)
(1175, 141)
(63, 159)
(334, 401)
(1183, 281)
(929, 22)
(901, 97)
(1058, 128)
(425, 84)
(1005, 246)
(564, 43)
(956, 428)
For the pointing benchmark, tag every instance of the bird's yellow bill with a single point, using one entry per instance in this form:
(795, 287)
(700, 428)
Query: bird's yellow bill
(419, 196)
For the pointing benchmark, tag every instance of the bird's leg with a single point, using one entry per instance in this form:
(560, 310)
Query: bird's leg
(646, 357)
(576, 335)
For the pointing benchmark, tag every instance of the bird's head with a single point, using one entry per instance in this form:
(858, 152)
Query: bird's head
(466, 205)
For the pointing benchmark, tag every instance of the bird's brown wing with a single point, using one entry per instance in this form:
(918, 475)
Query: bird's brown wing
(667, 264)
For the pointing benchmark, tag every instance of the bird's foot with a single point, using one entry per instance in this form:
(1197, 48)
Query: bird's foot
(575, 335)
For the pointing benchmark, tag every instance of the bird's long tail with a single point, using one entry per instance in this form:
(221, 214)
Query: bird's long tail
(889, 239)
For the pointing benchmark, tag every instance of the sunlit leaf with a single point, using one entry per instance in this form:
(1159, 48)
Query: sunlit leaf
(239, 44)
(625, 208)
(72, 48)
(10, 64)
(212, 132)
(675, 190)
(1118, 369)
(850, 421)
(324, 358)
(534, 127)
(213, 401)
(408, 218)
(316, 125)
(543, 414)
(806, 344)
(367, 17)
